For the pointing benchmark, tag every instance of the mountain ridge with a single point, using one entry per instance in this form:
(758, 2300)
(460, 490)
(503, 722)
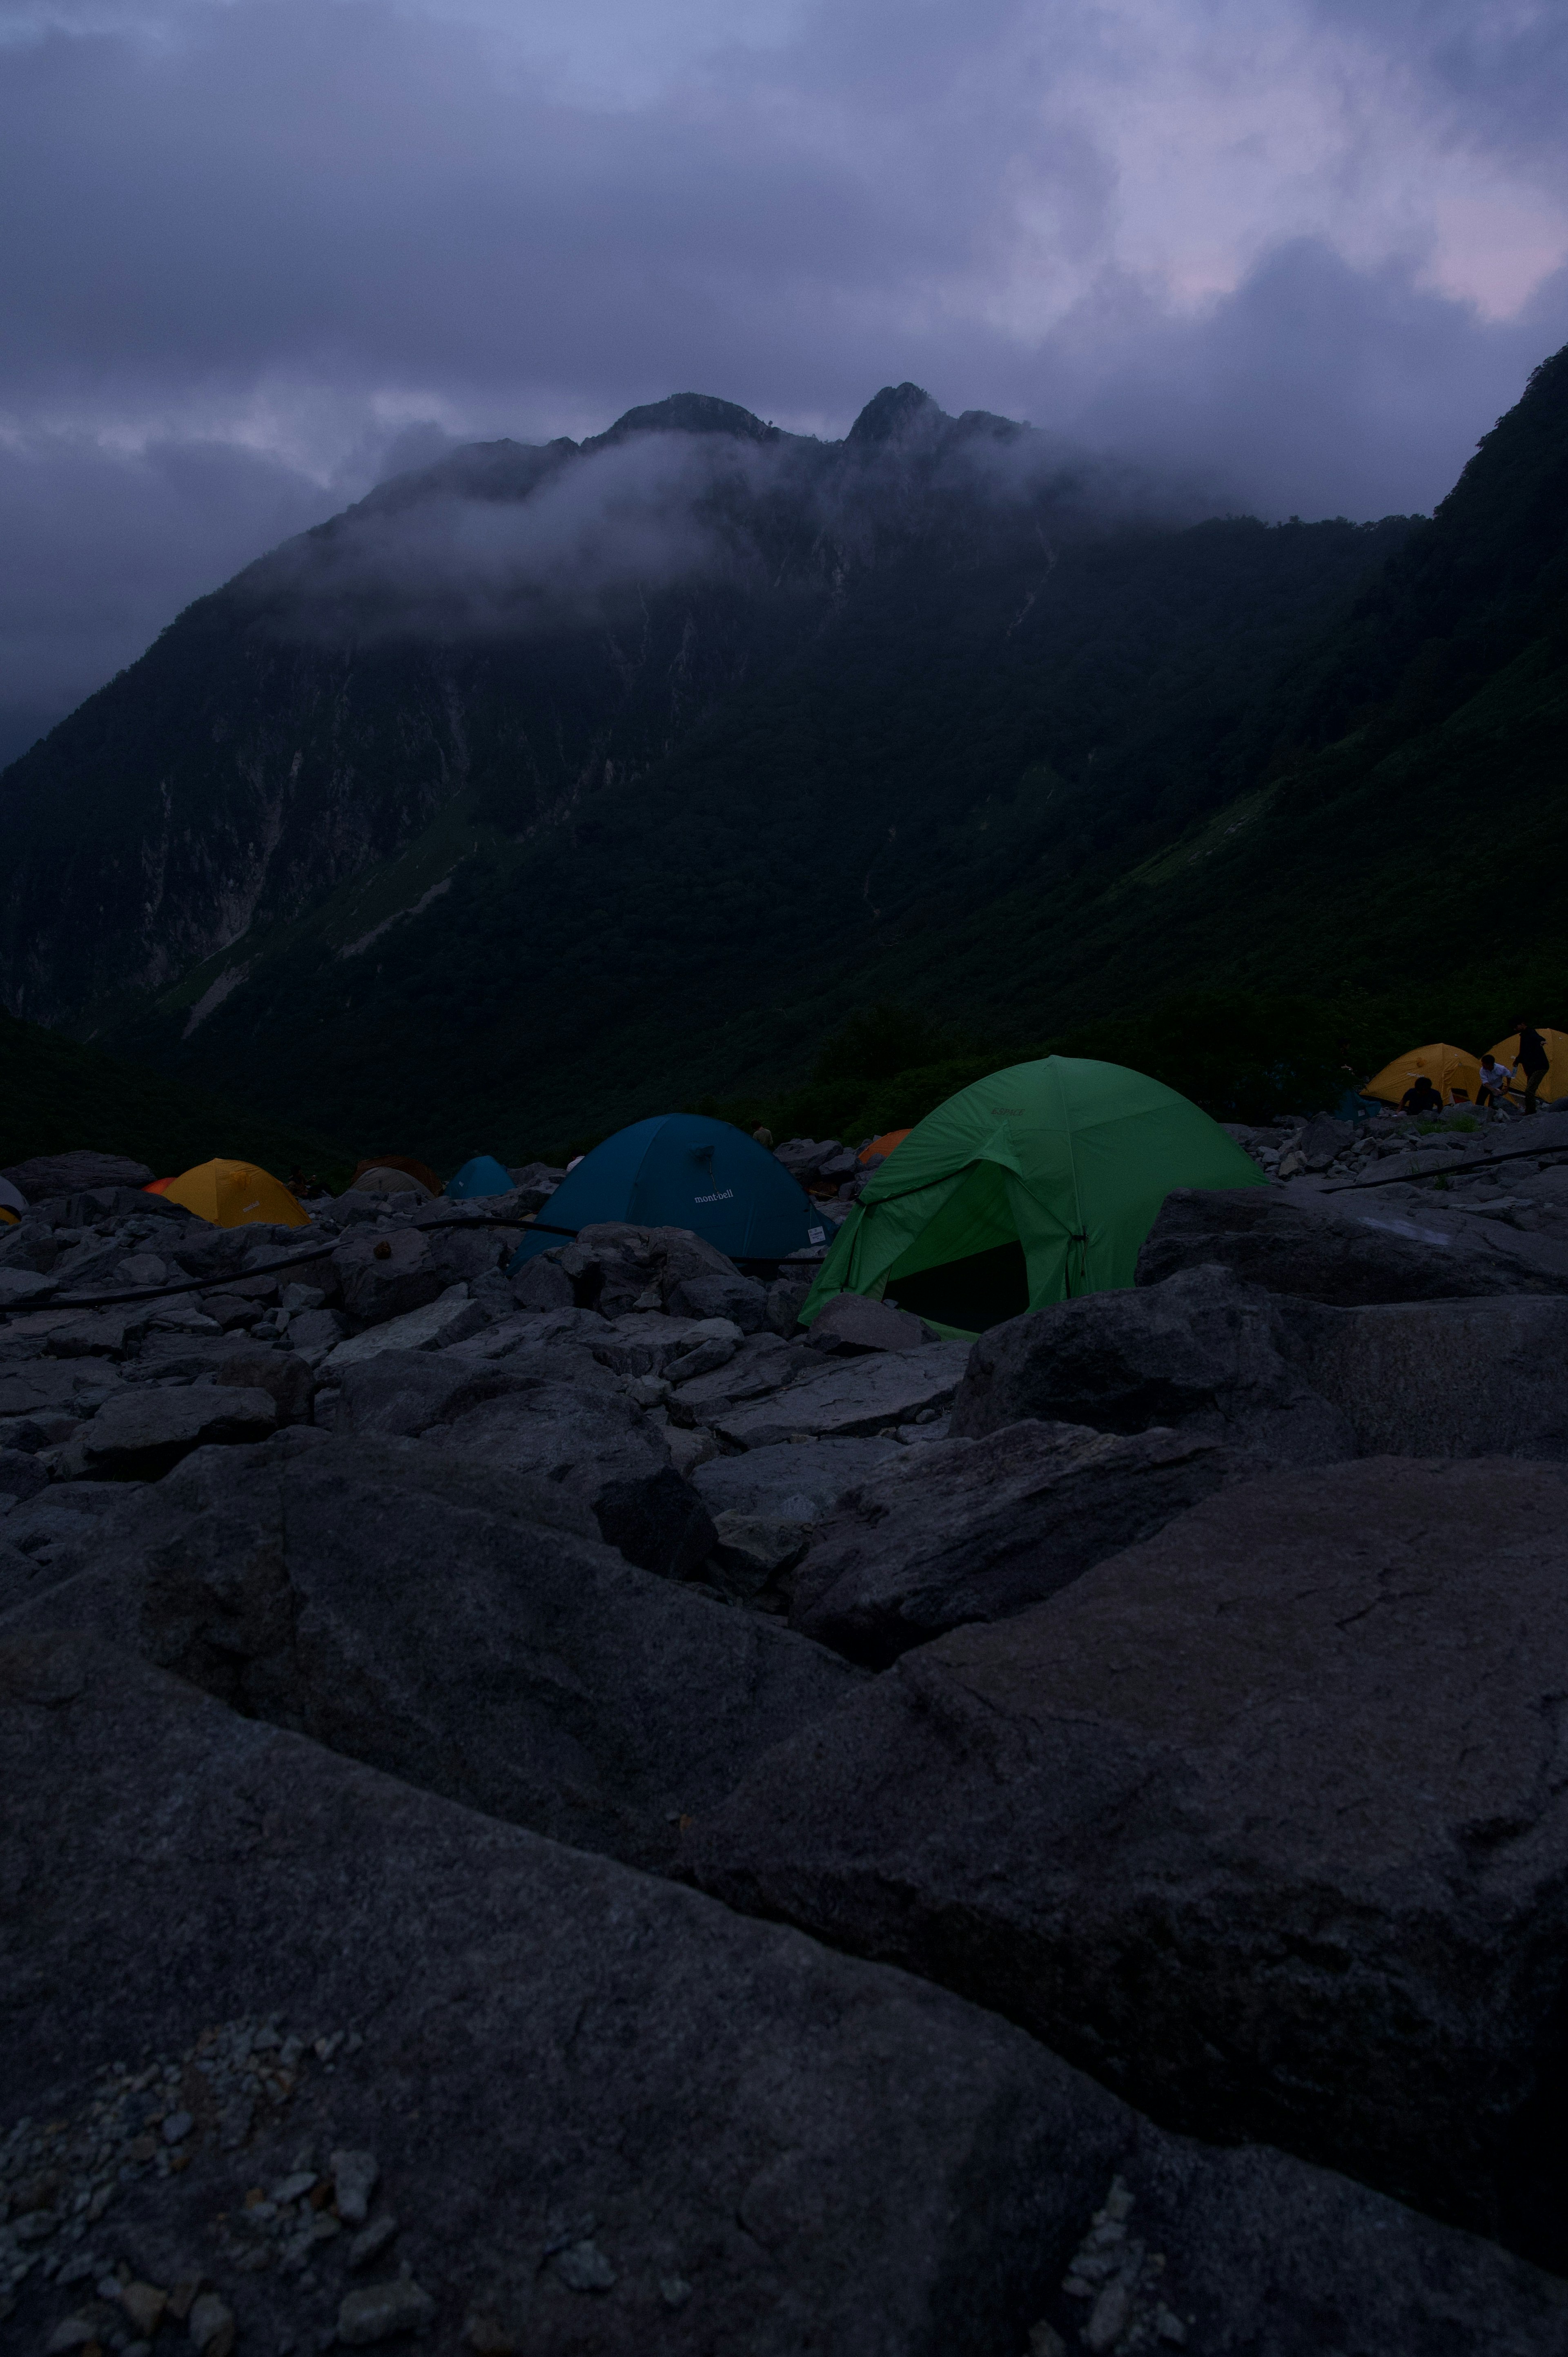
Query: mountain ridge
(937, 711)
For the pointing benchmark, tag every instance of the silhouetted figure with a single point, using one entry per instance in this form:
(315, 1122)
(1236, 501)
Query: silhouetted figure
(1420, 1097)
(1534, 1061)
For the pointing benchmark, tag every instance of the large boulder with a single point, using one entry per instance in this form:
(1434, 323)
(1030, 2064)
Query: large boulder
(450, 1317)
(601, 1456)
(850, 1323)
(48, 1175)
(139, 1434)
(519, 2098)
(21, 1475)
(1264, 1822)
(763, 1364)
(851, 1398)
(57, 1532)
(385, 1275)
(1344, 1251)
(801, 1479)
(282, 1375)
(451, 1623)
(1477, 1378)
(974, 1530)
(1202, 1352)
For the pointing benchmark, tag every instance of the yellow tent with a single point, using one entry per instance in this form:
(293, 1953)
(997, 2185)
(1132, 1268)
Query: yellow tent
(1448, 1070)
(1555, 1084)
(235, 1195)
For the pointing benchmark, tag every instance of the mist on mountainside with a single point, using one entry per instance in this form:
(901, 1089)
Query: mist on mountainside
(522, 843)
(510, 540)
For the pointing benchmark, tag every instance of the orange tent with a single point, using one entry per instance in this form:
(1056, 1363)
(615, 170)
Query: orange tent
(1450, 1070)
(884, 1144)
(235, 1195)
(1555, 1084)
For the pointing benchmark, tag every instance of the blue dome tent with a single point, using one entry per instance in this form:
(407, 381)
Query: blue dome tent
(681, 1170)
(480, 1175)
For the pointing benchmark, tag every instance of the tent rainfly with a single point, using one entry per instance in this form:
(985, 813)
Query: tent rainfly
(1454, 1073)
(683, 1171)
(1031, 1187)
(480, 1175)
(235, 1195)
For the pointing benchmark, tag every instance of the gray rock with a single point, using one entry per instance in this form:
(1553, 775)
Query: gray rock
(140, 1435)
(1323, 1140)
(450, 1317)
(732, 1295)
(49, 1537)
(601, 1456)
(583, 2266)
(597, 1452)
(805, 1158)
(616, 1266)
(535, 1183)
(792, 1476)
(282, 1375)
(48, 1175)
(785, 1299)
(19, 1286)
(850, 1323)
(372, 2242)
(21, 1475)
(974, 1530)
(1342, 1251)
(646, 1343)
(316, 1329)
(425, 1613)
(752, 1551)
(355, 2176)
(1201, 1352)
(771, 2143)
(1262, 1821)
(77, 1386)
(381, 2311)
(762, 1365)
(1445, 1378)
(386, 1275)
(860, 1396)
(543, 1284)
(64, 1333)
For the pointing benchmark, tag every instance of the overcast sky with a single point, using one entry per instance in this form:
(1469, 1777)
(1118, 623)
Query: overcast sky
(258, 253)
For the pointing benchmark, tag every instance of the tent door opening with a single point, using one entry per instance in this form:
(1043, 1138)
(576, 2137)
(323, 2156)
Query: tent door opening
(982, 1290)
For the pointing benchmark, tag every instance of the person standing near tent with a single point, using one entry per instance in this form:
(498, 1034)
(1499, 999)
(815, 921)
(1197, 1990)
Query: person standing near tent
(1420, 1097)
(1533, 1060)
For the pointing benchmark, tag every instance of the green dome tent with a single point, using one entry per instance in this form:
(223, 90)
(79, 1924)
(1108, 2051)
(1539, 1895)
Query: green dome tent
(1033, 1186)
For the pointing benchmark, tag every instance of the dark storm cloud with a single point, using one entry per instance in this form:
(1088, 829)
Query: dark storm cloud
(1302, 252)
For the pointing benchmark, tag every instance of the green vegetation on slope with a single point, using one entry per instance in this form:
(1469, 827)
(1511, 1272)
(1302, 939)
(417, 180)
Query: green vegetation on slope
(1040, 778)
(57, 1096)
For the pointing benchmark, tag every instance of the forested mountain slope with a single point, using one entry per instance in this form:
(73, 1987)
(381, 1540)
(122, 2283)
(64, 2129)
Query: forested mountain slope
(548, 786)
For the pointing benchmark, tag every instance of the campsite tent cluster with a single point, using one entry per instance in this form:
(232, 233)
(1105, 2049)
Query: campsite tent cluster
(1038, 1182)
(1034, 1185)
(1455, 1074)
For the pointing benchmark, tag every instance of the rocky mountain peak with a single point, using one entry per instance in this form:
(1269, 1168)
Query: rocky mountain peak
(687, 412)
(900, 413)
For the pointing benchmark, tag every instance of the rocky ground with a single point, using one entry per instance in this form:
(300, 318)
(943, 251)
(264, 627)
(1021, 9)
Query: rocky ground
(568, 1815)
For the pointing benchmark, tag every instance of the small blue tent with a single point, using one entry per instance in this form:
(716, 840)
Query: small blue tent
(480, 1175)
(681, 1170)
